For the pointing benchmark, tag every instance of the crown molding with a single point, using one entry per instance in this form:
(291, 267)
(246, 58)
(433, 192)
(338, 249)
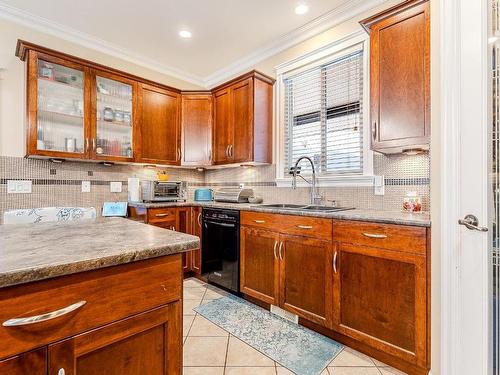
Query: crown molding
(44, 25)
(334, 17)
(331, 19)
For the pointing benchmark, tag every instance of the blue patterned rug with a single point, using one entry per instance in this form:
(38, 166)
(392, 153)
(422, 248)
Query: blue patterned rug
(297, 348)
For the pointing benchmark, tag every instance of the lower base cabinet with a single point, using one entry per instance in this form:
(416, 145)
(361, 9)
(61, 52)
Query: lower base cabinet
(367, 284)
(124, 348)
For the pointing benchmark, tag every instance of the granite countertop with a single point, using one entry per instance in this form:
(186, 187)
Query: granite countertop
(32, 252)
(422, 219)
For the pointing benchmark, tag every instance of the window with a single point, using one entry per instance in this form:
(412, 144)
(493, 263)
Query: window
(323, 115)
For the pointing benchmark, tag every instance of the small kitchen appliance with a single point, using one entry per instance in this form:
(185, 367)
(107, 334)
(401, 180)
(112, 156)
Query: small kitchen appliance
(163, 191)
(233, 195)
(203, 195)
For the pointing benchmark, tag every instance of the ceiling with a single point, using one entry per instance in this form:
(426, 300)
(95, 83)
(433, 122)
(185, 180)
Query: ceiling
(224, 32)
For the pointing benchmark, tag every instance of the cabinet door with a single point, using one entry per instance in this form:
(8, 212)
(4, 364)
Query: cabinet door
(148, 343)
(159, 125)
(196, 231)
(113, 109)
(241, 146)
(222, 131)
(32, 363)
(400, 80)
(380, 299)
(306, 278)
(196, 129)
(259, 264)
(58, 107)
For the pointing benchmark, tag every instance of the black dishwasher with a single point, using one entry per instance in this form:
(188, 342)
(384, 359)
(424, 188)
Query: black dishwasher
(221, 248)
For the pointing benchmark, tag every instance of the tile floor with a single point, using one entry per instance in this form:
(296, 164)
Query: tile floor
(209, 350)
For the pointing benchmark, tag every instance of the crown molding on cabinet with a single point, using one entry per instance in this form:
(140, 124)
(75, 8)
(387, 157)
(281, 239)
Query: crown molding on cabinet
(336, 16)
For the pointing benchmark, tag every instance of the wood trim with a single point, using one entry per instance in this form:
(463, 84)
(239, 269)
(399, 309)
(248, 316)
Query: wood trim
(23, 47)
(251, 74)
(367, 23)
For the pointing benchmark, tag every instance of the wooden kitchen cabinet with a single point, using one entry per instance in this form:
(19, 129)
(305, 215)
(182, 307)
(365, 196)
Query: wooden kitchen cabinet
(33, 363)
(381, 288)
(260, 264)
(160, 132)
(400, 77)
(242, 130)
(150, 339)
(306, 278)
(287, 261)
(196, 128)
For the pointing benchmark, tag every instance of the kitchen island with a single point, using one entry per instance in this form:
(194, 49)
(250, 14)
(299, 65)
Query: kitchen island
(91, 297)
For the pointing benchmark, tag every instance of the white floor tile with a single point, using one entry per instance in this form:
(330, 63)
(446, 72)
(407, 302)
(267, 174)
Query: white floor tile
(204, 327)
(250, 371)
(242, 354)
(205, 351)
(351, 357)
(203, 371)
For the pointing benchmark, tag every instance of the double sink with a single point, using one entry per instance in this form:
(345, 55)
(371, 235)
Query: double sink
(301, 207)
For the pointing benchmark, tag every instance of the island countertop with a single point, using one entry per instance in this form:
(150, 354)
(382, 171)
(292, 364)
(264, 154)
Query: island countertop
(33, 252)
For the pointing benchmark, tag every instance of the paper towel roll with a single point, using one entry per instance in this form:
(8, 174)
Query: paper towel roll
(134, 190)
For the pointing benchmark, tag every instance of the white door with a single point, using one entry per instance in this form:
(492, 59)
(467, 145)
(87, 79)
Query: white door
(468, 181)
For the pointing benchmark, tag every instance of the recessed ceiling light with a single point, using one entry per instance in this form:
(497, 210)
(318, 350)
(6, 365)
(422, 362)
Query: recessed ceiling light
(185, 34)
(301, 9)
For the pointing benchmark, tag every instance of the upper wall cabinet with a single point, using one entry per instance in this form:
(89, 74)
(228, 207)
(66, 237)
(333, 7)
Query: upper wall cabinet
(196, 128)
(242, 131)
(159, 125)
(400, 77)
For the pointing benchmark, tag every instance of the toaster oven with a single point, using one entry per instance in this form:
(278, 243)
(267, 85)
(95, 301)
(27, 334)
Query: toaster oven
(163, 191)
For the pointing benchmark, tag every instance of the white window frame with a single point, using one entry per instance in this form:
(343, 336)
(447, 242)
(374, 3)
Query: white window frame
(306, 62)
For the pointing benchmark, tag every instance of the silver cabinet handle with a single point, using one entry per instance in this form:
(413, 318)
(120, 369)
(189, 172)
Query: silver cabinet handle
(471, 222)
(260, 221)
(281, 247)
(199, 219)
(374, 131)
(274, 249)
(87, 144)
(43, 317)
(173, 228)
(210, 155)
(227, 151)
(304, 226)
(93, 144)
(373, 235)
(230, 151)
(335, 262)
(161, 215)
(179, 154)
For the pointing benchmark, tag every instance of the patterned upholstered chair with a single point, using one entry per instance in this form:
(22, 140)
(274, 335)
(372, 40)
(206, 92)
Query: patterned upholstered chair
(48, 214)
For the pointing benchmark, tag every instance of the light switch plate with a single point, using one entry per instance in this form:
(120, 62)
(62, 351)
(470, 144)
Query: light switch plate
(19, 186)
(85, 186)
(379, 185)
(115, 187)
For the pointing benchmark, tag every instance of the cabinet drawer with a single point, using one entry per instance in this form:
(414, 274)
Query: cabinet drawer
(161, 214)
(111, 294)
(289, 224)
(386, 236)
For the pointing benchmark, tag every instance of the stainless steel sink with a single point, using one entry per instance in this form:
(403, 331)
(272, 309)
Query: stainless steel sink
(302, 207)
(283, 206)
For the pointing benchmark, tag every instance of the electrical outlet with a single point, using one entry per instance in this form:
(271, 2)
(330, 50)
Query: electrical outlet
(19, 186)
(85, 186)
(115, 187)
(379, 185)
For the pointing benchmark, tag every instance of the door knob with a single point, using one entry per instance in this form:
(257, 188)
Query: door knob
(471, 222)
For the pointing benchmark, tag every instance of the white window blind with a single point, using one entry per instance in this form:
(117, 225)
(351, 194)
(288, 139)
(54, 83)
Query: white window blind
(324, 116)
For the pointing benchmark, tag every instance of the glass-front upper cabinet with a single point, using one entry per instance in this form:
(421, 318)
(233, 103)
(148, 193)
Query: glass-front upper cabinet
(114, 117)
(56, 102)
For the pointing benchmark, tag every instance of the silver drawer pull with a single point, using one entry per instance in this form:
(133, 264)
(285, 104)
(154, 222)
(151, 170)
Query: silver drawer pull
(43, 317)
(304, 226)
(161, 215)
(260, 221)
(372, 235)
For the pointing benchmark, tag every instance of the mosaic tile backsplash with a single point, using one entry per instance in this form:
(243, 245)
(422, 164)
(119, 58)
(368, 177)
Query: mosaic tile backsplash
(60, 184)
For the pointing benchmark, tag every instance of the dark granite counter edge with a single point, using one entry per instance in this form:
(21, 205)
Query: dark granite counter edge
(44, 272)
